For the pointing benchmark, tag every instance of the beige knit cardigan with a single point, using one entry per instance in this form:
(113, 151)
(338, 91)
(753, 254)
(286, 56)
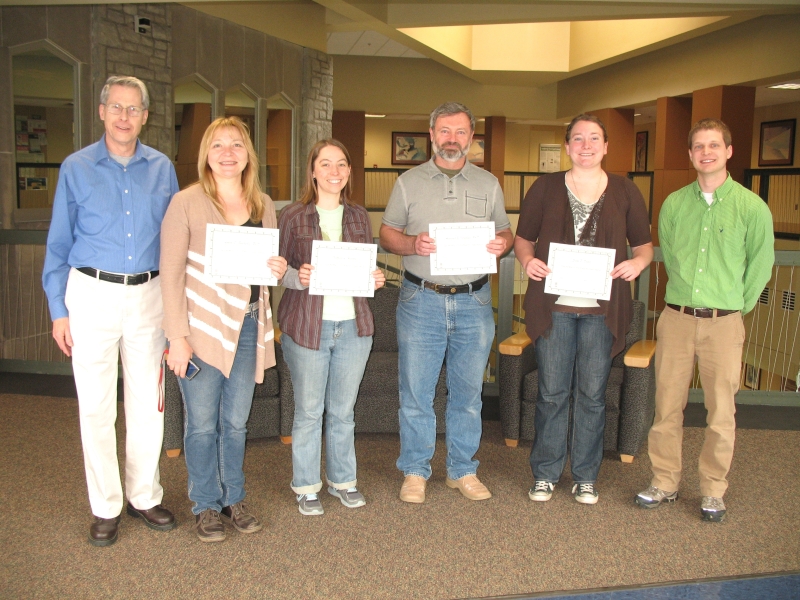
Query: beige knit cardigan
(209, 315)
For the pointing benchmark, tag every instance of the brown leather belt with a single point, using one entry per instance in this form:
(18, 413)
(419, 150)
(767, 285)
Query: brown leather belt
(702, 313)
(136, 279)
(443, 288)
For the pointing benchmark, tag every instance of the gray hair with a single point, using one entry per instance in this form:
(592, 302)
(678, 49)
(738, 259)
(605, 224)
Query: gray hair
(452, 108)
(131, 82)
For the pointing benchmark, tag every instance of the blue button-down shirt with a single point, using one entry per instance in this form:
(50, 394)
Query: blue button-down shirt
(106, 216)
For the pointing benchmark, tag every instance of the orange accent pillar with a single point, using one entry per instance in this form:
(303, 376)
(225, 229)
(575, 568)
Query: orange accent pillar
(734, 105)
(494, 151)
(349, 127)
(621, 139)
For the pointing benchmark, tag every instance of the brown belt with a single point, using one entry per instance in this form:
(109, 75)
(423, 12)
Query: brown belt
(443, 288)
(702, 313)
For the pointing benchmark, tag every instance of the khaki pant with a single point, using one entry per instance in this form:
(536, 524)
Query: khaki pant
(717, 345)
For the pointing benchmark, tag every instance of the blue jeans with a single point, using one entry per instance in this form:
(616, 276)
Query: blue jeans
(432, 328)
(326, 379)
(216, 409)
(575, 360)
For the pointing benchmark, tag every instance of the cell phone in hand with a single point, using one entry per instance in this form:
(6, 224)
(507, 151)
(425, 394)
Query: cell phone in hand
(191, 370)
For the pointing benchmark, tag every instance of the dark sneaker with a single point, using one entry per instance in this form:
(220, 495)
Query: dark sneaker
(209, 526)
(350, 497)
(712, 509)
(309, 504)
(585, 493)
(652, 497)
(243, 520)
(541, 491)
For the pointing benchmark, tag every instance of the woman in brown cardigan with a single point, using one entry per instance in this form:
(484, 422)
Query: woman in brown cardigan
(224, 328)
(576, 338)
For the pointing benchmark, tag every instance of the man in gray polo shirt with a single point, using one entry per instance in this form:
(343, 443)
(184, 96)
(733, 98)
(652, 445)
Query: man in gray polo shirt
(443, 317)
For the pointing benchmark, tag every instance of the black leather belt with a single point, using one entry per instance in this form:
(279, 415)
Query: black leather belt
(702, 313)
(443, 288)
(136, 279)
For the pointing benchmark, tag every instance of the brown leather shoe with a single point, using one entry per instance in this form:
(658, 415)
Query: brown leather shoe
(158, 517)
(209, 527)
(413, 489)
(103, 532)
(243, 520)
(470, 486)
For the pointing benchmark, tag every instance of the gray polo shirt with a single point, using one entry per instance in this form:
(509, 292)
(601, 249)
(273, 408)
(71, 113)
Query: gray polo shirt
(424, 195)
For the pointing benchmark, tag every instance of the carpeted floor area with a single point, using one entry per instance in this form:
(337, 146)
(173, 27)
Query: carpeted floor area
(448, 547)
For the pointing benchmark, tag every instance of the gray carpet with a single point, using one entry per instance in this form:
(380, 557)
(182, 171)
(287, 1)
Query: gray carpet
(447, 548)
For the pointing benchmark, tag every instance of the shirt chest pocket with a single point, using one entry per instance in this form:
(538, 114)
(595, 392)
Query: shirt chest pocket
(476, 205)
(729, 234)
(302, 237)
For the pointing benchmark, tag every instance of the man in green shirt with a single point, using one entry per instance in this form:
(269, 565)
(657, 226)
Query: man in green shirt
(718, 246)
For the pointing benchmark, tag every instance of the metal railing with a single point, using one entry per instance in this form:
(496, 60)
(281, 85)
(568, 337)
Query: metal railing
(780, 189)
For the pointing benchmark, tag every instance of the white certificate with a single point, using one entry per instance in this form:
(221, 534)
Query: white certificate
(236, 254)
(461, 248)
(342, 269)
(581, 271)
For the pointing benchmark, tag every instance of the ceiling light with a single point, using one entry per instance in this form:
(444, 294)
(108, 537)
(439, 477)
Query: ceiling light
(370, 116)
(785, 86)
(637, 114)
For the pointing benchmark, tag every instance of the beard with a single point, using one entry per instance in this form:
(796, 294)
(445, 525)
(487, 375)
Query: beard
(450, 153)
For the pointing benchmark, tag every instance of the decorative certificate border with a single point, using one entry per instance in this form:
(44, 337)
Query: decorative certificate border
(481, 232)
(568, 280)
(253, 247)
(353, 276)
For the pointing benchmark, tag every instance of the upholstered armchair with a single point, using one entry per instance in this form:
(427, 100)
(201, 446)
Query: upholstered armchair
(630, 395)
(378, 401)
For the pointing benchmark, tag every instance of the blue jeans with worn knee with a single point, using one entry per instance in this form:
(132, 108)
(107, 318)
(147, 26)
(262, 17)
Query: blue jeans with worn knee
(326, 380)
(216, 409)
(573, 360)
(433, 328)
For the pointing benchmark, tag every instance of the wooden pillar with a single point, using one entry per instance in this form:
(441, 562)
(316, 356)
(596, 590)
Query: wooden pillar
(349, 127)
(734, 105)
(494, 151)
(621, 139)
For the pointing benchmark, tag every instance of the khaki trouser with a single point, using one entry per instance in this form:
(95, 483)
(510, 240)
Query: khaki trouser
(717, 345)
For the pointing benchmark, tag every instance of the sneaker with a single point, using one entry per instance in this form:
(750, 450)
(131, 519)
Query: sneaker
(350, 497)
(652, 497)
(242, 519)
(541, 491)
(309, 504)
(209, 526)
(585, 493)
(712, 509)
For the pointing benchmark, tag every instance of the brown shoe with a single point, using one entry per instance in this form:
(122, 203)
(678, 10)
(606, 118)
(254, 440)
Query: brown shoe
(238, 516)
(209, 527)
(413, 489)
(158, 517)
(103, 532)
(470, 486)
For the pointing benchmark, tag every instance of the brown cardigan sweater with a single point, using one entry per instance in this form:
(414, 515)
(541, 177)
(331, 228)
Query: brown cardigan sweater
(546, 217)
(209, 315)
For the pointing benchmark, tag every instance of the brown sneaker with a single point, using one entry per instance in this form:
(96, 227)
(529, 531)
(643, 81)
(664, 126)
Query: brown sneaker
(238, 516)
(209, 527)
(413, 489)
(470, 486)
(103, 532)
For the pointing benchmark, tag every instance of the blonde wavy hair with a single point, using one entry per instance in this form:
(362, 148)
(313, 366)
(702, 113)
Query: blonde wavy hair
(251, 186)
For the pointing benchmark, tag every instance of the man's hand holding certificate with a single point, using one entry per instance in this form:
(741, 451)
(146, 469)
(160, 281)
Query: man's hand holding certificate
(237, 254)
(342, 269)
(580, 271)
(461, 249)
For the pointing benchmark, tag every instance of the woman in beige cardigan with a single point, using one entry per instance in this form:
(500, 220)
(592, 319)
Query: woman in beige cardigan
(224, 329)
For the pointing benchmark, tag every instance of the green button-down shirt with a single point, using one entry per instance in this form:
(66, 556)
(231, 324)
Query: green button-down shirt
(717, 256)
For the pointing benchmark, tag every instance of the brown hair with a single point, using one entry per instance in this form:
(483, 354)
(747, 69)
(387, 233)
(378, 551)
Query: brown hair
(713, 124)
(586, 117)
(309, 193)
(251, 187)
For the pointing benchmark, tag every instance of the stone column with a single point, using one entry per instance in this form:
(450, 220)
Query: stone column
(317, 109)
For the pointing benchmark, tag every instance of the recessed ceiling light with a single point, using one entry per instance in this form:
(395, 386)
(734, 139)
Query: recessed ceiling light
(637, 114)
(370, 116)
(785, 86)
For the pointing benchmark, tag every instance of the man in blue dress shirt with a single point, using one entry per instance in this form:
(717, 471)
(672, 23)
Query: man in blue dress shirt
(101, 280)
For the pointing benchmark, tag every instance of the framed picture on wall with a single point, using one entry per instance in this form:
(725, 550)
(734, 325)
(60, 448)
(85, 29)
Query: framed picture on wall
(641, 151)
(476, 150)
(776, 143)
(751, 376)
(410, 148)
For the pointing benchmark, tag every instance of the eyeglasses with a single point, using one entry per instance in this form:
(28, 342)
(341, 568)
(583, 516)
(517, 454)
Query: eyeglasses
(133, 111)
